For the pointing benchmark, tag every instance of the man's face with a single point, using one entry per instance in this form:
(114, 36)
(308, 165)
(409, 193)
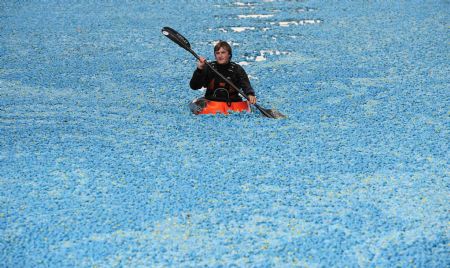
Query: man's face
(222, 56)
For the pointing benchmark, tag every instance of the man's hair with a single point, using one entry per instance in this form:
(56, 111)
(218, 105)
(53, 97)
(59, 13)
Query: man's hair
(224, 45)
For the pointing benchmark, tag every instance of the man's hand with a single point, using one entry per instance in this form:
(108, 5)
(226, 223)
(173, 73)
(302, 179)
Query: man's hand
(252, 99)
(201, 63)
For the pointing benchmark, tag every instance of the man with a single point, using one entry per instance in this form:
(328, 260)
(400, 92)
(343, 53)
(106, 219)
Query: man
(220, 97)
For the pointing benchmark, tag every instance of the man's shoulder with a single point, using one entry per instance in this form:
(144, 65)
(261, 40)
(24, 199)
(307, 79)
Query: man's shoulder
(236, 65)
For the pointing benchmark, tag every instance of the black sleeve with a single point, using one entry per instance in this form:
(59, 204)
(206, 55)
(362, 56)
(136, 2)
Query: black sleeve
(198, 79)
(244, 82)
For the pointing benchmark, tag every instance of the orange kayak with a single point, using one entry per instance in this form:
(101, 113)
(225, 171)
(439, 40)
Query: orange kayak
(204, 106)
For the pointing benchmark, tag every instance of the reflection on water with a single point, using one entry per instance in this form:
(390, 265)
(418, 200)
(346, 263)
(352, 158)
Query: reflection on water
(255, 16)
(296, 22)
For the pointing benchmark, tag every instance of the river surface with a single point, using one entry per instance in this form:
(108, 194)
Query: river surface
(103, 165)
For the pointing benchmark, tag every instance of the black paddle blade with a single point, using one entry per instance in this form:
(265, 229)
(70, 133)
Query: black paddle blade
(176, 37)
(271, 113)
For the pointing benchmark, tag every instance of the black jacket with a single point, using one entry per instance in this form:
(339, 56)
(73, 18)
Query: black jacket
(216, 88)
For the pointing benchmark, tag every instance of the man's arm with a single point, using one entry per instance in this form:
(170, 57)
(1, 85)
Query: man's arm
(198, 79)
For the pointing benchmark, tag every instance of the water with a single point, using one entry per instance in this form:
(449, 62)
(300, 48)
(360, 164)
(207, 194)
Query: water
(102, 163)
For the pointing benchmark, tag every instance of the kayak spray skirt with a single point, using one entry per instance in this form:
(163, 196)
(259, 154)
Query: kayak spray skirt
(204, 106)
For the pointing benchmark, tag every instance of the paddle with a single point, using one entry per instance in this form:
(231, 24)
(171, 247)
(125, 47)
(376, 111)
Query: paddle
(184, 43)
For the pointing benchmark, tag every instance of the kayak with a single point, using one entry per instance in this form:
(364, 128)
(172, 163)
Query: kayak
(204, 106)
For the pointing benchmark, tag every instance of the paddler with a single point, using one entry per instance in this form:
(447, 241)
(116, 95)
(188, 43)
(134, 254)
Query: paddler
(220, 97)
